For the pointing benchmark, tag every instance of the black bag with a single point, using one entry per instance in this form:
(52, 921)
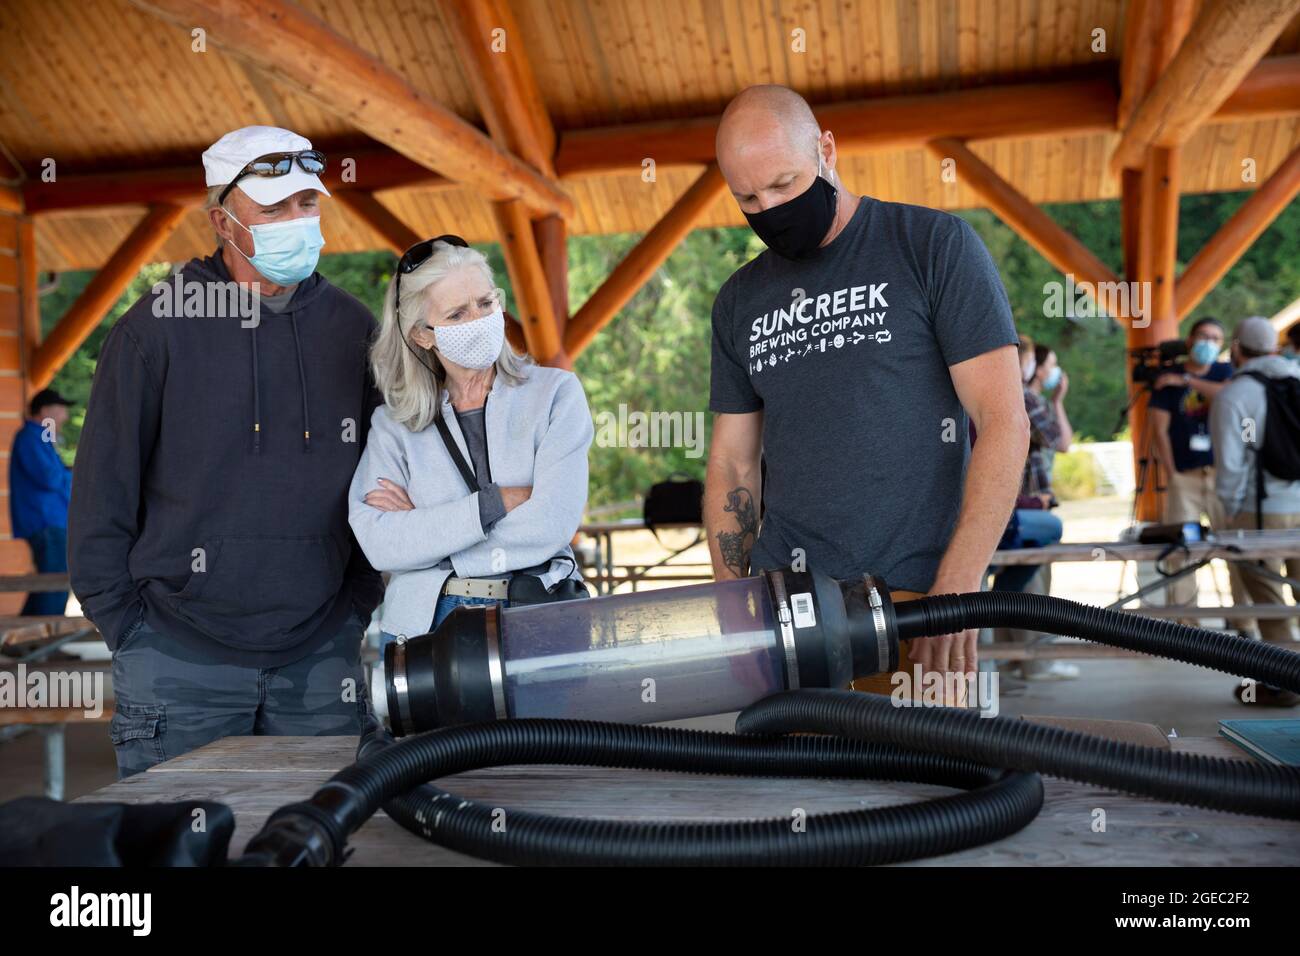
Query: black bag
(1278, 449)
(525, 588)
(35, 831)
(674, 502)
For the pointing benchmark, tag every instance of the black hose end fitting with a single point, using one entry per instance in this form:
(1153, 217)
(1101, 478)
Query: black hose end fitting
(293, 836)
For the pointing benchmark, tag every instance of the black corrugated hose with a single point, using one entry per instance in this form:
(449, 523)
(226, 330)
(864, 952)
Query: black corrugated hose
(872, 739)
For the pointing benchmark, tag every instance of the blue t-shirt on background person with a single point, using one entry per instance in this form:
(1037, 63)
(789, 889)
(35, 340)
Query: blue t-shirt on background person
(1189, 419)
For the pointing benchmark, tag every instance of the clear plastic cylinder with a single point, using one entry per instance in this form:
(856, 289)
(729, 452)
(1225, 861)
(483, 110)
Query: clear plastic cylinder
(645, 657)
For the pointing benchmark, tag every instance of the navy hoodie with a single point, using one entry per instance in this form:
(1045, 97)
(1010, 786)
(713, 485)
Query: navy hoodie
(211, 478)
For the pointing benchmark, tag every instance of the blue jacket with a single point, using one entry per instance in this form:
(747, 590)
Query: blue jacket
(40, 485)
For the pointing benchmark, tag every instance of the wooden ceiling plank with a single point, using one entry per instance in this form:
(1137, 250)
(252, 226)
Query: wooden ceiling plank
(1221, 47)
(302, 50)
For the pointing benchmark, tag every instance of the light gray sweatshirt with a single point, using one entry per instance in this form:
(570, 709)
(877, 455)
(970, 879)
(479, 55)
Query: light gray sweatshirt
(1238, 415)
(538, 433)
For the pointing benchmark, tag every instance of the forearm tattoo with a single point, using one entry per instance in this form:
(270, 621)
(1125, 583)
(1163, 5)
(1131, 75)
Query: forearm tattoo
(734, 546)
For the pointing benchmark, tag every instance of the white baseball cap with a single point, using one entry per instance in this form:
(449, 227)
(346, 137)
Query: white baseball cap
(224, 159)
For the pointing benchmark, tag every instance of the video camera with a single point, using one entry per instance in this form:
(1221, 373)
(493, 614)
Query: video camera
(1152, 361)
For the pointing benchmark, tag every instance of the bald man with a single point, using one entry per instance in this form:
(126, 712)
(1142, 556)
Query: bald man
(852, 354)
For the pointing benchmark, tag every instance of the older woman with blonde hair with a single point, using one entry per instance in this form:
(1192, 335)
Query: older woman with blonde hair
(475, 469)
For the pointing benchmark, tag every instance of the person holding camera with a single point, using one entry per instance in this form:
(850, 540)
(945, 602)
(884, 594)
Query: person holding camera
(1180, 430)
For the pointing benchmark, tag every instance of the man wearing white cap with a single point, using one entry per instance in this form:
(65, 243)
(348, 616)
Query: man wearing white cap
(1243, 428)
(208, 532)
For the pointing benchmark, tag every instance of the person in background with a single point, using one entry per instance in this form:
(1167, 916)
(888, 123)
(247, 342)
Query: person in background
(208, 532)
(1032, 524)
(1291, 349)
(1238, 419)
(1049, 432)
(1180, 429)
(1049, 425)
(520, 431)
(40, 486)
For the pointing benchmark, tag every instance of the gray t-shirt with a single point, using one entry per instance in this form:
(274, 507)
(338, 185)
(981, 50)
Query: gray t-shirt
(847, 354)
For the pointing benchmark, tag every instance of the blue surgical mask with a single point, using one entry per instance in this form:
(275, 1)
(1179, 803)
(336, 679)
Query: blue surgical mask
(1204, 352)
(1053, 379)
(285, 252)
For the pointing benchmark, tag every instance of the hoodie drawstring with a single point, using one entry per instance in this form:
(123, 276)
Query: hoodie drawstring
(257, 401)
(302, 380)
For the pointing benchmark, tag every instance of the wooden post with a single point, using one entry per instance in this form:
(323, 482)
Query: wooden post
(1150, 226)
(103, 291)
(551, 236)
(17, 300)
(532, 292)
(646, 256)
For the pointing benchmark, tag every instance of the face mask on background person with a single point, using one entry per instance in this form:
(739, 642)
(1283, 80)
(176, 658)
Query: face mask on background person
(1204, 352)
(1053, 379)
(1027, 371)
(284, 252)
(474, 344)
(796, 228)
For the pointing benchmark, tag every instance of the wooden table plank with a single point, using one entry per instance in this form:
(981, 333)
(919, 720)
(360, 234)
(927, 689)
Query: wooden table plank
(256, 775)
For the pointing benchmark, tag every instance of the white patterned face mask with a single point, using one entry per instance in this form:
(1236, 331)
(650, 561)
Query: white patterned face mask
(475, 344)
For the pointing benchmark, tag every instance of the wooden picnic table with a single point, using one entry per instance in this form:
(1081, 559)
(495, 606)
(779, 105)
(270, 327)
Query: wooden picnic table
(257, 775)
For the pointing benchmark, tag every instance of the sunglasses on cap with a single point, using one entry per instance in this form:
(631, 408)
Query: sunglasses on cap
(278, 164)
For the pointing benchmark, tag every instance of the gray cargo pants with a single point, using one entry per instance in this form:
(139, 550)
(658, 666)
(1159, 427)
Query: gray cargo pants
(169, 701)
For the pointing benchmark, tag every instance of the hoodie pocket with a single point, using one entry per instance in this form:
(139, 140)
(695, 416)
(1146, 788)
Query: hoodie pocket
(259, 592)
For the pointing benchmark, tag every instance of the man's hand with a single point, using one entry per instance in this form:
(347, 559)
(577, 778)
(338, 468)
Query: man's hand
(389, 497)
(949, 653)
(1172, 380)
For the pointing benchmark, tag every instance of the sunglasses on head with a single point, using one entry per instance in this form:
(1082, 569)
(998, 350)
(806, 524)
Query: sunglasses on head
(278, 164)
(417, 256)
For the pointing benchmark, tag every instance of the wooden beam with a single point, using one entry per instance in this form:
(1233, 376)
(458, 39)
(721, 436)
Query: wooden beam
(367, 168)
(496, 65)
(532, 294)
(396, 234)
(103, 291)
(644, 258)
(1057, 246)
(1222, 46)
(1270, 90)
(28, 289)
(11, 200)
(1012, 111)
(300, 49)
(1236, 235)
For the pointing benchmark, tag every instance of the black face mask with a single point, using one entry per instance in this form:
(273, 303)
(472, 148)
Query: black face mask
(796, 228)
